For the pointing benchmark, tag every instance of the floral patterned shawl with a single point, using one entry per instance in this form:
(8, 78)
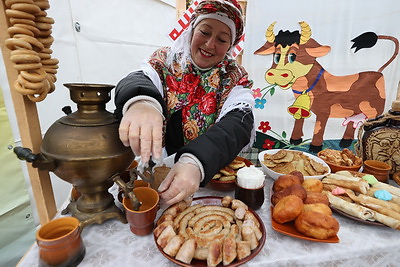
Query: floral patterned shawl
(199, 94)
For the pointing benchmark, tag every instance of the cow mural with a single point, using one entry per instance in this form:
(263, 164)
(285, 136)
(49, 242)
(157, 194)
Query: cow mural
(354, 97)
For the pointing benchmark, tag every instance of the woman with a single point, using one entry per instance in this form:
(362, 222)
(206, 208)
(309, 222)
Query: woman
(193, 99)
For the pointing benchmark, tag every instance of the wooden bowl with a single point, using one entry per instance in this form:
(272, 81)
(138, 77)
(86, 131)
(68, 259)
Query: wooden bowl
(227, 185)
(336, 168)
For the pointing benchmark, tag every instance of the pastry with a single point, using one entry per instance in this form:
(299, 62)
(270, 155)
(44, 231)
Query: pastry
(296, 189)
(315, 197)
(314, 185)
(284, 181)
(318, 207)
(316, 225)
(287, 209)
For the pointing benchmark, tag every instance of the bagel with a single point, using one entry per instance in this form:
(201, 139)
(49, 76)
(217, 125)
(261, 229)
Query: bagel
(26, 7)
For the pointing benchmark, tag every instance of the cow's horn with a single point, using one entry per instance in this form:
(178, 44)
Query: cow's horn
(270, 33)
(305, 32)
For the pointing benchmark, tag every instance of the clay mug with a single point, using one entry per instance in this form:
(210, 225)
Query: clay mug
(254, 198)
(141, 222)
(60, 242)
(377, 168)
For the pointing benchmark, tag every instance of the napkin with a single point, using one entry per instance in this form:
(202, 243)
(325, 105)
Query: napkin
(250, 177)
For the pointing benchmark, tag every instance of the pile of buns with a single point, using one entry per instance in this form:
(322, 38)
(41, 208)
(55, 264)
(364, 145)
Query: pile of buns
(285, 161)
(228, 173)
(299, 200)
(343, 157)
(215, 234)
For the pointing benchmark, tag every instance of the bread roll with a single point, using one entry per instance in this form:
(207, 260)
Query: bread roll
(287, 209)
(315, 197)
(313, 185)
(318, 207)
(316, 225)
(298, 174)
(296, 189)
(284, 181)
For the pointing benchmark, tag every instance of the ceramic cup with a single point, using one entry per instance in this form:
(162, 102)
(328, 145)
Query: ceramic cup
(60, 242)
(254, 198)
(377, 168)
(141, 222)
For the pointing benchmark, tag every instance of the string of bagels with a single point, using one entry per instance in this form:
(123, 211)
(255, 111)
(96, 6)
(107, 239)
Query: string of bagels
(30, 41)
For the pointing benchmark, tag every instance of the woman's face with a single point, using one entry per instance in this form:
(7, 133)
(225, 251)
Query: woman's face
(210, 42)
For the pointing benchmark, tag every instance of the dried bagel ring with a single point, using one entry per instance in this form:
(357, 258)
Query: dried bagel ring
(44, 34)
(27, 66)
(44, 55)
(25, 58)
(49, 70)
(47, 42)
(34, 75)
(52, 61)
(9, 3)
(28, 8)
(43, 4)
(23, 52)
(32, 40)
(33, 28)
(41, 95)
(11, 13)
(43, 26)
(23, 91)
(30, 22)
(44, 19)
(16, 43)
(52, 87)
(16, 30)
(28, 84)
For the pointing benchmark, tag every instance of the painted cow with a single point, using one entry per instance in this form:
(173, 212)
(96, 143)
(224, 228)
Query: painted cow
(355, 97)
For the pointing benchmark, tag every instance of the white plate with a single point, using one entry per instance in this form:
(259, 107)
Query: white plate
(275, 175)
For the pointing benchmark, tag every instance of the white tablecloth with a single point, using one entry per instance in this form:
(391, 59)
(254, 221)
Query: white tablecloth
(112, 244)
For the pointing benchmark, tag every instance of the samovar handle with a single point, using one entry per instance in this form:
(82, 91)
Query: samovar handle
(37, 160)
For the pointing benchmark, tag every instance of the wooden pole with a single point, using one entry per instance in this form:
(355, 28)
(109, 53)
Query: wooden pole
(29, 128)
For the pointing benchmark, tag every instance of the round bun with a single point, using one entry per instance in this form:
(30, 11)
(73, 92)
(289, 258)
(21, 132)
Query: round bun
(313, 185)
(284, 181)
(318, 207)
(287, 209)
(316, 197)
(298, 174)
(295, 189)
(317, 225)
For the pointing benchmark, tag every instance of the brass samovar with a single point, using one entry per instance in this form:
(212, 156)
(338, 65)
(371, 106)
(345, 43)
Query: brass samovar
(84, 149)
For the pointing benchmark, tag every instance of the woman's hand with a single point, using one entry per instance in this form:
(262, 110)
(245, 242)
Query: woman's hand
(141, 129)
(182, 182)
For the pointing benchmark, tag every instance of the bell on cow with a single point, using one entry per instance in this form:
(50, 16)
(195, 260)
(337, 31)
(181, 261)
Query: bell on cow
(301, 107)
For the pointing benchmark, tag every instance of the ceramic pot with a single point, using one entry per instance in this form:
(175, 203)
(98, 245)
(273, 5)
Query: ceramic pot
(60, 243)
(377, 168)
(141, 222)
(254, 198)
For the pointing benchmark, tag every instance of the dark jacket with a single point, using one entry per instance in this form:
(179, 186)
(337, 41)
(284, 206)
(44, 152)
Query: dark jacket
(215, 149)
